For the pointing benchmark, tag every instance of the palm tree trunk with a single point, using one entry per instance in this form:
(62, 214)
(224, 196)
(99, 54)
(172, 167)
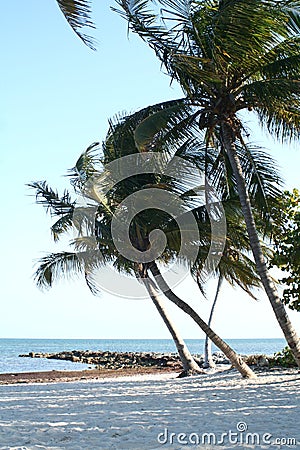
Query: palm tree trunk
(208, 361)
(278, 307)
(190, 367)
(234, 358)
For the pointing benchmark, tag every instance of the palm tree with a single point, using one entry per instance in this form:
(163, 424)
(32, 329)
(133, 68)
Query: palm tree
(235, 359)
(208, 361)
(235, 266)
(78, 15)
(238, 269)
(230, 56)
(117, 144)
(54, 266)
(85, 260)
(189, 365)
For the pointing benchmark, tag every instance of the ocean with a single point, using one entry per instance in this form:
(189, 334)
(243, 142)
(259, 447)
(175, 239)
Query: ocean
(10, 349)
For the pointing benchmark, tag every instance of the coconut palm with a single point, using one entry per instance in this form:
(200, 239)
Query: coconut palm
(85, 260)
(208, 360)
(230, 56)
(78, 15)
(54, 266)
(239, 270)
(235, 266)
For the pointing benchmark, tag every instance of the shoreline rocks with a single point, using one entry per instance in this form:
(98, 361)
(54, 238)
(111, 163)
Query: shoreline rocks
(121, 360)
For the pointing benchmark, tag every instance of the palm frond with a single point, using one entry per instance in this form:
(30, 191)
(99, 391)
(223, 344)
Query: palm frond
(84, 243)
(83, 220)
(292, 9)
(86, 166)
(120, 140)
(200, 70)
(262, 176)
(62, 225)
(68, 265)
(239, 270)
(142, 20)
(46, 196)
(78, 15)
(282, 120)
(153, 124)
(262, 92)
(284, 59)
(56, 266)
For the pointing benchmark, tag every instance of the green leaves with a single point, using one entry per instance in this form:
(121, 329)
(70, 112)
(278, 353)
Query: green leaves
(228, 56)
(292, 9)
(68, 265)
(244, 30)
(57, 265)
(57, 206)
(281, 119)
(286, 237)
(86, 166)
(160, 122)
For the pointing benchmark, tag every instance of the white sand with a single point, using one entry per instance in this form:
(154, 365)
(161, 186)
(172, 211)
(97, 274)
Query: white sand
(129, 413)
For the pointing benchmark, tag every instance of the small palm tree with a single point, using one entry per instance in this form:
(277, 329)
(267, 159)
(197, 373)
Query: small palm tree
(208, 360)
(230, 56)
(86, 260)
(238, 270)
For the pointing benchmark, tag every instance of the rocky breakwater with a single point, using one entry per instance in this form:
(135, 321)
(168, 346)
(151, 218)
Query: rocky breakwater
(121, 360)
(113, 360)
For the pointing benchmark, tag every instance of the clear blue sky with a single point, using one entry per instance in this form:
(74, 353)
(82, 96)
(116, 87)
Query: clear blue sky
(56, 98)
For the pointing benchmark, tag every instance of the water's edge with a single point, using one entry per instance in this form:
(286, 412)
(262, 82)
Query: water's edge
(10, 349)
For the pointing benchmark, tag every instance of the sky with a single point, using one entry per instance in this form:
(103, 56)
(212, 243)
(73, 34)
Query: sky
(57, 97)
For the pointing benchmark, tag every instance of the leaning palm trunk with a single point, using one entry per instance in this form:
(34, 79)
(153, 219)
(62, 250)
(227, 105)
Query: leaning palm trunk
(234, 358)
(208, 361)
(190, 366)
(278, 307)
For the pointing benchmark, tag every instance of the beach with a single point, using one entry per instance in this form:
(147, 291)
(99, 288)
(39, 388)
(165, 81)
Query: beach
(154, 411)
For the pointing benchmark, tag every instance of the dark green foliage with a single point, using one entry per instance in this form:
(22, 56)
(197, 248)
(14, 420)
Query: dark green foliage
(228, 56)
(63, 206)
(286, 237)
(54, 266)
(92, 222)
(285, 358)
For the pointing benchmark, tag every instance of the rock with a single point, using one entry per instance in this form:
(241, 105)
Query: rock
(117, 360)
(256, 360)
(75, 359)
(263, 361)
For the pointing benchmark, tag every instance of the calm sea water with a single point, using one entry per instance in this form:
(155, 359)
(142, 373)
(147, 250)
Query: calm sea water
(10, 349)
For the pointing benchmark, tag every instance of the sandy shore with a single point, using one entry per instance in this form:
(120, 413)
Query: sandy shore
(154, 411)
(54, 376)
